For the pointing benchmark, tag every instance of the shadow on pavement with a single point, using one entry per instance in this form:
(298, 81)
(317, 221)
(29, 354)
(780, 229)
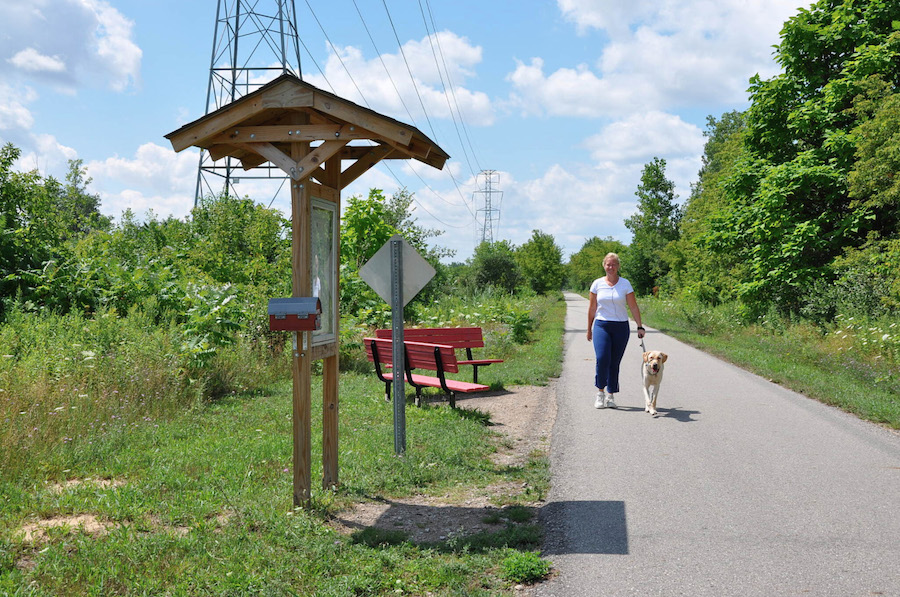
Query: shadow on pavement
(684, 416)
(679, 415)
(599, 527)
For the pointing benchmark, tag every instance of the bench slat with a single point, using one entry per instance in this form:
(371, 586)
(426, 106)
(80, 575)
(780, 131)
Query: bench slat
(479, 362)
(453, 384)
(456, 337)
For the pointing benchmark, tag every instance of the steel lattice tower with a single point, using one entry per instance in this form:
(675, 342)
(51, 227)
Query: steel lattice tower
(255, 41)
(492, 195)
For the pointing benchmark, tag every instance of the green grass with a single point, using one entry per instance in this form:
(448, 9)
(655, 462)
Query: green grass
(850, 366)
(199, 501)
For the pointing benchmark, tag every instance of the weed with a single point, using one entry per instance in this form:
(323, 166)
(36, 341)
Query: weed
(375, 537)
(524, 567)
(518, 514)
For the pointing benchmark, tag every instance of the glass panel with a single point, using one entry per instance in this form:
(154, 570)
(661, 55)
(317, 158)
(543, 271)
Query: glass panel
(322, 269)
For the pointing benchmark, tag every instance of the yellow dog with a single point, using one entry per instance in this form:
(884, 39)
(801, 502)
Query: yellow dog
(652, 373)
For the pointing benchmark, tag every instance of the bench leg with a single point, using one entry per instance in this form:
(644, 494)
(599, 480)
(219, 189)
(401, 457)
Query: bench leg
(387, 392)
(452, 399)
(418, 396)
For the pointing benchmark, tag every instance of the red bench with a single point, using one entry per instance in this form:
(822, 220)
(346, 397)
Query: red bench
(458, 338)
(420, 355)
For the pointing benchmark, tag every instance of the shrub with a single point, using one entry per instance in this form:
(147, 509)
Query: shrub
(524, 567)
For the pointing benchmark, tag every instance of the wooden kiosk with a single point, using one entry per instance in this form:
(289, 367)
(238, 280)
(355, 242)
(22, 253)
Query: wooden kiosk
(310, 134)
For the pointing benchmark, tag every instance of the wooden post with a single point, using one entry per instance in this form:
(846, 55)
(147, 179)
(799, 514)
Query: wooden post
(330, 422)
(301, 362)
(330, 365)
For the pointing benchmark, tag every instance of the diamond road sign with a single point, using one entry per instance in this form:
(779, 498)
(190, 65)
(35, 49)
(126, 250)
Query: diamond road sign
(416, 271)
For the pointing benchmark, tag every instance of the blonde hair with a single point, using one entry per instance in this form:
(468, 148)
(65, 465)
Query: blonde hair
(612, 256)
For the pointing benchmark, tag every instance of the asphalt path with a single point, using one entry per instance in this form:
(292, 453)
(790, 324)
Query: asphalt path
(737, 487)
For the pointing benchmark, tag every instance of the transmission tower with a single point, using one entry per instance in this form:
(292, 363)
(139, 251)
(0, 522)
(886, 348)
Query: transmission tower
(489, 215)
(255, 41)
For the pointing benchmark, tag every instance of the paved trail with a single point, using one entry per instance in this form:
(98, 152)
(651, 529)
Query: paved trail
(738, 488)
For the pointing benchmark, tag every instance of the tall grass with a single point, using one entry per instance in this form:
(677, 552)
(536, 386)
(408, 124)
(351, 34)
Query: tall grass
(196, 493)
(65, 379)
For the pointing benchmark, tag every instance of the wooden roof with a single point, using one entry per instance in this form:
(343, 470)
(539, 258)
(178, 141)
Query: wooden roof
(263, 125)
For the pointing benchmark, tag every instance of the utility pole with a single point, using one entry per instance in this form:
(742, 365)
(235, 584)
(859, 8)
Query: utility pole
(492, 196)
(255, 41)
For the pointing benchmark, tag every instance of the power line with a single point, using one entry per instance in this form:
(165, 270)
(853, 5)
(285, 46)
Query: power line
(336, 53)
(453, 88)
(421, 102)
(383, 65)
(437, 40)
(424, 110)
(409, 69)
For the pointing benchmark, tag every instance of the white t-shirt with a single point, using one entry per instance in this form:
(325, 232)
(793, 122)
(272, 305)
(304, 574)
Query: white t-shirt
(611, 305)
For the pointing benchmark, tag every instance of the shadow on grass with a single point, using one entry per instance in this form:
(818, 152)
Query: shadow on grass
(449, 529)
(586, 527)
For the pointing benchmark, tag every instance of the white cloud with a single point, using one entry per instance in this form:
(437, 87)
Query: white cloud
(397, 95)
(608, 15)
(720, 18)
(48, 156)
(115, 48)
(641, 137)
(571, 203)
(578, 92)
(14, 112)
(69, 43)
(30, 59)
(155, 178)
(660, 54)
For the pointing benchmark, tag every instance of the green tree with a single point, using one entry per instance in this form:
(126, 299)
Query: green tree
(874, 183)
(494, 264)
(77, 209)
(653, 227)
(696, 270)
(540, 260)
(39, 219)
(237, 241)
(400, 215)
(586, 265)
(791, 213)
(365, 227)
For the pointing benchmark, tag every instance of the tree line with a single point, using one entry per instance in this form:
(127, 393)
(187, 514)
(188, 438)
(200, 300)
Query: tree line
(797, 204)
(795, 209)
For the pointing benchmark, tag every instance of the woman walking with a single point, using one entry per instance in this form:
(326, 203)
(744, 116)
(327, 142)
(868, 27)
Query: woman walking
(611, 298)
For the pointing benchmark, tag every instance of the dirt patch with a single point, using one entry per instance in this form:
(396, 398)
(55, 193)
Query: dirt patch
(86, 523)
(98, 483)
(523, 417)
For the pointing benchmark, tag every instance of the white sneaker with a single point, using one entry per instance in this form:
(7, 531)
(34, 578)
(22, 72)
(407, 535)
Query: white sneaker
(600, 402)
(609, 401)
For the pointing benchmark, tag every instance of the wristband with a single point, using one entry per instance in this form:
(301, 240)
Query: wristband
(640, 327)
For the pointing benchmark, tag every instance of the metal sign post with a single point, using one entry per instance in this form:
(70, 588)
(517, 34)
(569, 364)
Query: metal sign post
(397, 273)
(399, 355)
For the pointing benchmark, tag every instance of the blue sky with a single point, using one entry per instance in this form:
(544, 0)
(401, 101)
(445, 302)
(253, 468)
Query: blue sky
(566, 99)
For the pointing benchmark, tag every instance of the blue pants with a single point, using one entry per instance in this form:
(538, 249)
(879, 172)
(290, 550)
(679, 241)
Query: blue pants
(610, 339)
